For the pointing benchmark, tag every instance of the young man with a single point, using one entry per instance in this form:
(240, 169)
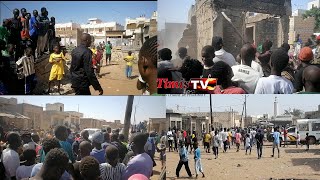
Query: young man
(224, 74)
(129, 59)
(82, 73)
(259, 138)
(112, 169)
(264, 58)
(147, 65)
(27, 70)
(215, 144)
(220, 53)
(307, 141)
(61, 134)
(238, 140)
(311, 80)
(85, 149)
(225, 139)
(248, 144)
(89, 168)
(276, 142)
(207, 55)
(108, 49)
(76, 143)
(24, 171)
(10, 156)
(298, 139)
(97, 151)
(244, 75)
(54, 166)
(275, 83)
(207, 140)
(142, 162)
(183, 55)
(305, 57)
(170, 139)
(197, 160)
(184, 160)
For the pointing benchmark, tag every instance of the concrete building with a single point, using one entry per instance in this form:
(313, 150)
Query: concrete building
(35, 113)
(90, 123)
(158, 125)
(304, 27)
(298, 12)
(313, 114)
(73, 120)
(283, 120)
(313, 4)
(174, 119)
(69, 33)
(116, 124)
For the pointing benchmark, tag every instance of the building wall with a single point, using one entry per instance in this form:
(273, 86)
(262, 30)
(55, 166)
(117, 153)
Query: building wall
(55, 107)
(304, 27)
(13, 123)
(175, 120)
(35, 113)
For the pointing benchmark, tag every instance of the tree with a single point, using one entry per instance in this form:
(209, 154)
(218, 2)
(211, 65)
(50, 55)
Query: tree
(294, 112)
(314, 12)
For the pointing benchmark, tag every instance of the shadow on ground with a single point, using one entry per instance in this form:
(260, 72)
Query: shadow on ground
(313, 151)
(314, 163)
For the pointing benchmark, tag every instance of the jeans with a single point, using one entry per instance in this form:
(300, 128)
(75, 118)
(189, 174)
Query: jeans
(225, 146)
(215, 151)
(128, 71)
(259, 150)
(186, 165)
(198, 166)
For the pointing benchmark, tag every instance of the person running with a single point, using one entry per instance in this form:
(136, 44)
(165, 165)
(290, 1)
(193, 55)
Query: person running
(307, 141)
(57, 60)
(215, 144)
(259, 138)
(170, 139)
(129, 59)
(184, 160)
(197, 160)
(276, 142)
(108, 48)
(82, 73)
(298, 139)
(238, 140)
(248, 144)
(207, 140)
(112, 169)
(224, 136)
(275, 83)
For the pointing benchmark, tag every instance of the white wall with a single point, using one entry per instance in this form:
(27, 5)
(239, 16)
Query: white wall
(315, 3)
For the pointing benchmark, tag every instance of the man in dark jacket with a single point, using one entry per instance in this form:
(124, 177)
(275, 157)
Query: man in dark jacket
(259, 138)
(82, 73)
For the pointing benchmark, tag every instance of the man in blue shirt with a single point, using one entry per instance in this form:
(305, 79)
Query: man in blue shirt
(34, 30)
(197, 159)
(276, 142)
(183, 153)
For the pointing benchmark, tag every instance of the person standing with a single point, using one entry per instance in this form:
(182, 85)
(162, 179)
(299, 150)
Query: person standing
(238, 140)
(307, 141)
(34, 31)
(184, 160)
(276, 142)
(207, 140)
(108, 48)
(259, 138)
(225, 139)
(82, 73)
(170, 139)
(129, 59)
(248, 144)
(298, 139)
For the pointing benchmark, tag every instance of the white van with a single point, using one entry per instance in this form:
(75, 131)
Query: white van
(311, 126)
(92, 131)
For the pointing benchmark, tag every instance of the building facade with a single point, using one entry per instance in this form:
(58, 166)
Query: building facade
(313, 114)
(313, 4)
(158, 125)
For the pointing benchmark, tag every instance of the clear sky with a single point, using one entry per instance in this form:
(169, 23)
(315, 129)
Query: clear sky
(177, 10)
(81, 11)
(104, 107)
(256, 104)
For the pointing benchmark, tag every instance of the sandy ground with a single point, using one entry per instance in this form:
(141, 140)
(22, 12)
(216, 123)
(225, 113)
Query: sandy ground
(294, 163)
(157, 168)
(115, 82)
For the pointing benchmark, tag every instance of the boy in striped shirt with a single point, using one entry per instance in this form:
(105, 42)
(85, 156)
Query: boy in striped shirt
(112, 169)
(26, 70)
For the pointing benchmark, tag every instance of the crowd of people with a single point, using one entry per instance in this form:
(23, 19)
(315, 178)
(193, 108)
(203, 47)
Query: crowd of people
(106, 155)
(187, 142)
(255, 70)
(25, 38)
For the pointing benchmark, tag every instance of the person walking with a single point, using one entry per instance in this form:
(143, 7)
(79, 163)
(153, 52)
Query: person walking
(276, 142)
(184, 160)
(108, 48)
(215, 144)
(259, 139)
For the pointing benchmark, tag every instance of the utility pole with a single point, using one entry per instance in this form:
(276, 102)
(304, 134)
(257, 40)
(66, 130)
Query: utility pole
(245, 107)
(211, 118)
(127, 117)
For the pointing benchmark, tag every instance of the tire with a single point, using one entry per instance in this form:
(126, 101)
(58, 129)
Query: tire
(312, 140)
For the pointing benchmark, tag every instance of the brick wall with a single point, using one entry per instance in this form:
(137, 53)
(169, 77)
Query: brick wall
(304, 27)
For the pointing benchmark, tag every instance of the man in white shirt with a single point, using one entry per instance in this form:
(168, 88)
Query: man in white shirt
(275, 83)
(24, 171)
(220, 53)
(10, 156)
(224, 137)
(246, 77)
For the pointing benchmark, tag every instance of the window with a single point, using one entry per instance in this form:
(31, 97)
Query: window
(173, 124)
(178, 124)
(291, 130)
(100, 30)
(303, 127)
(60, 109)
(315, 126)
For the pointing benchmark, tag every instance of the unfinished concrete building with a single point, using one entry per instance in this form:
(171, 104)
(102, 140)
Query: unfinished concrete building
(229, 19)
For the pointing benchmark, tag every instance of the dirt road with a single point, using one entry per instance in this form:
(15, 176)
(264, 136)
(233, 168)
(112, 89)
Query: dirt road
(294, 163)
